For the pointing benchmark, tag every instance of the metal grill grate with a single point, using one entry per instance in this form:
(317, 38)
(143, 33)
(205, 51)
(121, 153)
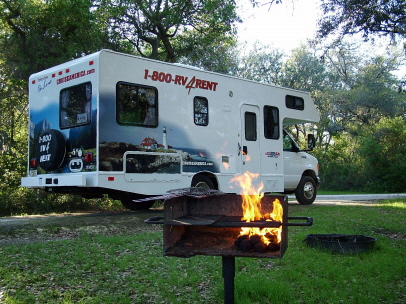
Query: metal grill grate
(195, 192)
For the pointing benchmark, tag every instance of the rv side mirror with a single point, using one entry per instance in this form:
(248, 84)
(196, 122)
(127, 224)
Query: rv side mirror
(311, 141)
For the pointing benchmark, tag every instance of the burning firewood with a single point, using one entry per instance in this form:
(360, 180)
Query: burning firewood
(256, 243)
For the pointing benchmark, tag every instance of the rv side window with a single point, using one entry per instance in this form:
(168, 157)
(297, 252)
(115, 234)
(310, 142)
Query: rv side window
(271, 122)
(294, 102)
(136, 105)
(250, 126)
(75, 106)
(201, 111)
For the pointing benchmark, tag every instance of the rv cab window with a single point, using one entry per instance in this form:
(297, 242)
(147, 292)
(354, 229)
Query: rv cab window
(75, 106)
(136, 105)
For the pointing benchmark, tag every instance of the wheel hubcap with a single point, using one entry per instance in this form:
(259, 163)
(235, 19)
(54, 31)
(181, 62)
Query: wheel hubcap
(308, 190)
(202, 185)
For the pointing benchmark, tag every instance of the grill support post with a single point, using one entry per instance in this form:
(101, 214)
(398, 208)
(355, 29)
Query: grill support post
(228, 276)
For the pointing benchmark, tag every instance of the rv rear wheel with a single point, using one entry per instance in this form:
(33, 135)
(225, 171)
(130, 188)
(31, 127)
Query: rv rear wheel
(129, 204)
(306, 191)
(202, 181)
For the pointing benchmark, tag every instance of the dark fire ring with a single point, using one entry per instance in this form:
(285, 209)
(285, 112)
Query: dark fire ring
(341, 243)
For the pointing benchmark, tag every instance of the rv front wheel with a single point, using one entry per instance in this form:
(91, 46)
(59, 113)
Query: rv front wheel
(202, 181)
(306, 191)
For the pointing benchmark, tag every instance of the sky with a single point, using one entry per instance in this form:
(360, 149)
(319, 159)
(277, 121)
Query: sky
(285, 26)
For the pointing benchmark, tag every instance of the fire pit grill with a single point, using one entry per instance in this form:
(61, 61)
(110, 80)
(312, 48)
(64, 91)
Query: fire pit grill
(200, 223)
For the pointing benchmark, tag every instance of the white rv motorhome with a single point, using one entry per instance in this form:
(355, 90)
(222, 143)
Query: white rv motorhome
(130, 127)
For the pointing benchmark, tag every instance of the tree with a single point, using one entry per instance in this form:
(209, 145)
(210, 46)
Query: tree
(306, 71)
(13, 126)
(35, 35)
(154, 27)
(262, 63)
(366, 88)
(382, 17)
(383, 151)
(217, 56)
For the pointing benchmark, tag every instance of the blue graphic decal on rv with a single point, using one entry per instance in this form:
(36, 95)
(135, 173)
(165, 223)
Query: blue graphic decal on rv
(65, 142)
(150, 156)
(134, 138)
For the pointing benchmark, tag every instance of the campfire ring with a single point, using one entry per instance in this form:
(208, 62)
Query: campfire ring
(341, 243)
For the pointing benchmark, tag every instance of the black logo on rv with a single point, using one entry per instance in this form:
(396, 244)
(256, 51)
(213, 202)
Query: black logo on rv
(194, 83)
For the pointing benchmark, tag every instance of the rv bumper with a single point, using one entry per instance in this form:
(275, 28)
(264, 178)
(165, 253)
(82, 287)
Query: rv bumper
(54, 181)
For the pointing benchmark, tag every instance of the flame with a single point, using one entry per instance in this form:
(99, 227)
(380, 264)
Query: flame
(251, 206)
(246, 156)
(226, 165)
(251, 196)
(222, 153)
(277, 215)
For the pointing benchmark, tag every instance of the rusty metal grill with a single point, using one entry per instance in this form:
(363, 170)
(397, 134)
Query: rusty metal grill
(210, 226)
(208, 222)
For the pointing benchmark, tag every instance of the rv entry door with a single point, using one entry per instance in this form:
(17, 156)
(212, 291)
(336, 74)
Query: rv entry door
(250, 152)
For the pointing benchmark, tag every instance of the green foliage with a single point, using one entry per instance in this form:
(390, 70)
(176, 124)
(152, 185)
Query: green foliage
(39, 34)
(167, 30)
(383, 151)
(304, 71)
(211, 52)
(372, 161)
(17, 200)
(367, 17)
(339, 165)
(262, 64)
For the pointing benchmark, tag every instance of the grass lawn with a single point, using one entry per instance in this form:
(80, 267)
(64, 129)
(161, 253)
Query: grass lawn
(123, 263)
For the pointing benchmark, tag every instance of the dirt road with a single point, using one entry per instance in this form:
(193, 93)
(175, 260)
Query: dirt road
(41, 228)
(352, 199)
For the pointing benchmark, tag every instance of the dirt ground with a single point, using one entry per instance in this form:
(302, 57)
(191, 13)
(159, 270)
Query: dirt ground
(42, 228)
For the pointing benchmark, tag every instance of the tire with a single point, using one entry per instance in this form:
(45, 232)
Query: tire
(306, 191)
(202, 181)
(129, 204)
(51, 150)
